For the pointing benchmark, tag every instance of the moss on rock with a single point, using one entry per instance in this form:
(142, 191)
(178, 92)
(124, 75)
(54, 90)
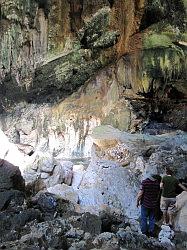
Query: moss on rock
(95, 34)
(163, 56)
(157, 40)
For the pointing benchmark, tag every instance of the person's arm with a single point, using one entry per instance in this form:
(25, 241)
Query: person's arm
(182, 186)
(139, 197)
(162, 183)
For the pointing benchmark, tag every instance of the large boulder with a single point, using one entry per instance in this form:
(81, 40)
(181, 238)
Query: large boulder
(47, 202)
(181, 217)
(45, 162)
(106, 184)
(10, 177)
(120, 161)
(11, 152)
(12, 184)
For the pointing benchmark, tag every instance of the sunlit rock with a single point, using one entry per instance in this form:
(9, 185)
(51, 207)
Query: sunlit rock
(181, 216)
(78, 172)
(166, 235)
(67, 67)
(44, 175)
(64, 191)
(11, 153)
(45, 162)
(155, 150)
(105, 184)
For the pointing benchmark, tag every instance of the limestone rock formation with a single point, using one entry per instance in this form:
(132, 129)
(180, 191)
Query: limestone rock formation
(141, 150)
(150, 55)
(64, 191)
(92, 97)
(106, 184)
(180, 220)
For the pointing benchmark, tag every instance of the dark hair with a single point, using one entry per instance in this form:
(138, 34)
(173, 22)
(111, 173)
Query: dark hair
(157, 177)
(169, 171)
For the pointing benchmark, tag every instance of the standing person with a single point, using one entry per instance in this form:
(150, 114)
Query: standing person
(169, 186)
(148, 198)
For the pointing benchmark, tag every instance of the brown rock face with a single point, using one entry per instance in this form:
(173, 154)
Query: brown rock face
(10, 176)
(11, 184)
(127, 18)
(35, 33)
(73, 65)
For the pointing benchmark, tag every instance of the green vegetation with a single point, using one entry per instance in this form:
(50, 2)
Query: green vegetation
(164, 55)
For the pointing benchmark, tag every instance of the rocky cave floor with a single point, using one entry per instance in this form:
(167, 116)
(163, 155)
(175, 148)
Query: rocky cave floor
(64, 81)
(48, 222)
(31, 220)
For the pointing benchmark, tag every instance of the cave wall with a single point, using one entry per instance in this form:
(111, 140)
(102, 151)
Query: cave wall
(34, 34)
(68, 66)
(65, 128)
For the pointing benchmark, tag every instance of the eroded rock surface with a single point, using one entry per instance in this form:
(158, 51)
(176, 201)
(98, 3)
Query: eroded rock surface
(67, 67)
(12, 185)
(180, 220)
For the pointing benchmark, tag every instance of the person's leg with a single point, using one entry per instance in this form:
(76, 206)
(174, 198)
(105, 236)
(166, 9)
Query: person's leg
(151, 221)
(144, 214)
(165, 217)
(164, 209)
(171, 216)
(171, 210)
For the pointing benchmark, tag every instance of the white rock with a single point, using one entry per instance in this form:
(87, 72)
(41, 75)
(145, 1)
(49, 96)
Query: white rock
(166, 235)
(64, 191)
(107, 184)
(181, 216)
(45, 162)
(140, 164)
(68, 171)
(11, 153)
(44, 175)
(184, 147)
(78, 172)
(78, 168)
(57, 176)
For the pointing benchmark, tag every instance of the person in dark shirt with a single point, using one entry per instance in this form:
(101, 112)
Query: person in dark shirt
(169, 186)
(148, 198)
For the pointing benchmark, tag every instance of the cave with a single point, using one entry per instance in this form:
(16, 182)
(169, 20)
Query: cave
(92, 109)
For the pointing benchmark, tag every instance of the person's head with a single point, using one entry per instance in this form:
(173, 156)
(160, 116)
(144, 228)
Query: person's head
(169, 171)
